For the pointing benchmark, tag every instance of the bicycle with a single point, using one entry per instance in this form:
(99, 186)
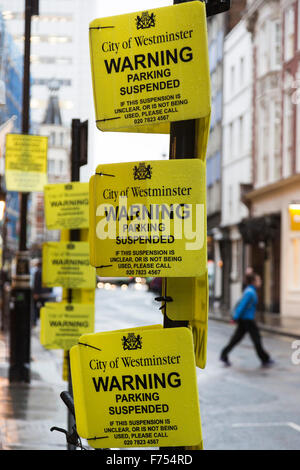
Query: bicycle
(73, 439)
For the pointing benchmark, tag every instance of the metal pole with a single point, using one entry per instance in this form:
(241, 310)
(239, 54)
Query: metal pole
(20, 315)
(182, 145)
(74, 236)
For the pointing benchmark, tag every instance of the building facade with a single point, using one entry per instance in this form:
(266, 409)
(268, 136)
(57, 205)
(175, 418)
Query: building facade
(274, 26)
(218, 241)
(237, 150)
(59, 147)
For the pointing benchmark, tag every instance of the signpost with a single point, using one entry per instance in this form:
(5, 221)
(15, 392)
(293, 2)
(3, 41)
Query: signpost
(67, 206)
(62, 324)
(127, 386)
(153, 67)
(294, 211)
(144, 225)
(66, 264)
(26, 162)
(190, 304)
(20, 306)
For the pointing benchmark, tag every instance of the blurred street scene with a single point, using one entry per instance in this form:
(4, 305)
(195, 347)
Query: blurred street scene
(242, 408)
(253, 214)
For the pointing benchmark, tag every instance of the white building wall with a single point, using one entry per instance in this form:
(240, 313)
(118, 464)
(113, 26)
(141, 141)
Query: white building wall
(237, 142)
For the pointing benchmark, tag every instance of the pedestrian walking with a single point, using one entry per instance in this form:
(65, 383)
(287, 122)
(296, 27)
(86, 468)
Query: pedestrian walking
(244, 316)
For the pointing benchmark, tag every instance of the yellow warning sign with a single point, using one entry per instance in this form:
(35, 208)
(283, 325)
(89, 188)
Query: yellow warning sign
(26, 162)
(67, 206)
(127, 386)
(294, 210)
(66, 264)
(62, 324)
(190, 303)
(149, 219)
(150, 68)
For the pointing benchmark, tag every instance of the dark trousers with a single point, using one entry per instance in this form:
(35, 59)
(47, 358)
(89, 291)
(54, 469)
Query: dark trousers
(243, 327)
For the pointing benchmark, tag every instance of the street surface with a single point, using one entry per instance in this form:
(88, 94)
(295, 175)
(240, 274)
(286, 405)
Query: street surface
(242, 407)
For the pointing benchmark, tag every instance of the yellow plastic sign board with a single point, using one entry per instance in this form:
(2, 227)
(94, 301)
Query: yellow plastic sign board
(62, 324)
(149, 219)
(150, 68)
(294, 210)
(67, 206)
(26, 162)
(66, 264)
(190, 303)
(136, 388)
(80, 296)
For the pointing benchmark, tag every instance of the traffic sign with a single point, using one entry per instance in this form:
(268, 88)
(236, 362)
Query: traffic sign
(294, 210)
(150, 68)
(62, 324)
(66, 264)
(127, 386)
(66, 206)
(149, 219)
(26, 162)
(189, 302)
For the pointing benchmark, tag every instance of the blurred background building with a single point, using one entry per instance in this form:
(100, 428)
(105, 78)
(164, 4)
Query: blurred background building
(260, 156)
(253, 159)
(219, 246)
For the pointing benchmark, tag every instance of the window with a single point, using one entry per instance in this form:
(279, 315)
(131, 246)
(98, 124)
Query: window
(213, 56)
(265, 143)
(241, 134)
(46, 81)
(230, 199)
(242, 71)
(263, 137)
(51, 166)
(289, 34)
(276, 45)
(44, 38)
(232, 79)
(277, 138)
(263, 52)
(52, 139)
(288, 134)
(231, 139)
(35, 59)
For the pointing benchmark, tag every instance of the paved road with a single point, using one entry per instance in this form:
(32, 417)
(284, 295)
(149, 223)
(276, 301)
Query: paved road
(242, 407)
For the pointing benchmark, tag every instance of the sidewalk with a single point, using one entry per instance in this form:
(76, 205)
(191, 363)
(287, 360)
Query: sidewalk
(269, 322)
(28, 411)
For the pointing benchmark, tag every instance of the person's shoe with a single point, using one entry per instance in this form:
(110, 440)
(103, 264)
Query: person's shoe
(225, 361)
(268, 363)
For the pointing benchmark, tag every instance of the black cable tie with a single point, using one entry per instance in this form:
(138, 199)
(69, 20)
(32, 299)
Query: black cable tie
(105, 174)
(95, 438)
(163, 298)
(103, 266)
(90, 346)
(108, 119)
(101, 27)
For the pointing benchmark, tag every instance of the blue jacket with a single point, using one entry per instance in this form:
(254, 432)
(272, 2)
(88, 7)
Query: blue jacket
(246, 307)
